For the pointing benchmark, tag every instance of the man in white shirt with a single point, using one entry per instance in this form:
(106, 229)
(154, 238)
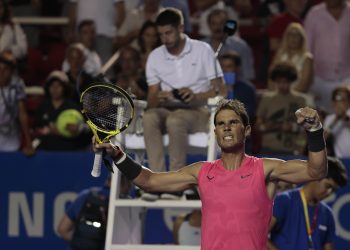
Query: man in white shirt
(181, 75)
(337, 124)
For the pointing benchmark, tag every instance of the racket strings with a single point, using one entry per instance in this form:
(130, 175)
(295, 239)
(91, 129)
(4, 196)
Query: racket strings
(107, 108)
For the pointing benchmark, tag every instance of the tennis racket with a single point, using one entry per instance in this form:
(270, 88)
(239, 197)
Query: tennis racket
(108, 110)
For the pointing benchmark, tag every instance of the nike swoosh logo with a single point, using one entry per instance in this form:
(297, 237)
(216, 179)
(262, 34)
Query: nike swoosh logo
(245, 176)
(210, 177)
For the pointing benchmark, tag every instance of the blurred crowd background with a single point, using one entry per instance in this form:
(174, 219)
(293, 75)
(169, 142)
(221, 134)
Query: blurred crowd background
(286, 54)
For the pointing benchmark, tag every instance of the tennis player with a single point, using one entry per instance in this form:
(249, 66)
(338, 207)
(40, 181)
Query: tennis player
(236, 190)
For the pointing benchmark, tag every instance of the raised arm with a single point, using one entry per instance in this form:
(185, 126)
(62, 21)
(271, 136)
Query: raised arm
(145, 178)
(298, 171)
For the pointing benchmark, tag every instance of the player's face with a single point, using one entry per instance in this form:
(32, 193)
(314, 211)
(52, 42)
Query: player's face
(230, 131)
(170, 36)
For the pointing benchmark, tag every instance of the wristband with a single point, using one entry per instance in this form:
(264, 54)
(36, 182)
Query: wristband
(319, 126)
(316, 142)
(130, 168)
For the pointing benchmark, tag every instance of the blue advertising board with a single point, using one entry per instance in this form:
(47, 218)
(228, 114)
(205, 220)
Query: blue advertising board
(35, 192)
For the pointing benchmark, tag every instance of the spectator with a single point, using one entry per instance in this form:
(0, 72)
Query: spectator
(57, 100)
(275, 115)
(131, 77)
(243, 91)
(78, 78)
(13, 114)
(92, 205)
(298, 207)
(337, 124)
(134, 20)
(108, 16)
(216, 21)
(147, 40)
(293, 13)
(87, 37)
(204, 8)
(293, 49)
(188, 66)
(328, 31)
(12, 37)
(187, 229)
(269, 9)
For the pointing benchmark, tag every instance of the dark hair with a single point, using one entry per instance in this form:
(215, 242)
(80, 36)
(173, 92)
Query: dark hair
(284, 70)
(7, 16)
(170, 16)
(216, 12)
(236, 106)
(85, 22)
(67, 90)
(337, 171)
(144, 27)
(336, 91)
(233, 56)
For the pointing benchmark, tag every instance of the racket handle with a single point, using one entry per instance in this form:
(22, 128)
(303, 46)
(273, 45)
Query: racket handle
(96, 169)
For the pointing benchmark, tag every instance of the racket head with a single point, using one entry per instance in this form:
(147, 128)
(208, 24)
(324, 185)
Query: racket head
(107, 109)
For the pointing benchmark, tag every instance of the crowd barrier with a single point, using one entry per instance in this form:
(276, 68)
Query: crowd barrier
(35, 192)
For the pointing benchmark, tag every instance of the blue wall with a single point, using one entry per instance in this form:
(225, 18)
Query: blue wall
(35, 191)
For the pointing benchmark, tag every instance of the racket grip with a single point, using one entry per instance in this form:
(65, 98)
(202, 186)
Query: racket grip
(96, 169)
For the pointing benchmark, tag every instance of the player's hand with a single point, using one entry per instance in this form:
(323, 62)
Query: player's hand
(308, 118)
(114, 151)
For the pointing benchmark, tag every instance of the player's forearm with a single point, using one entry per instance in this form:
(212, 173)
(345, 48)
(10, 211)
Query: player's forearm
(148, 180)
(317, 160)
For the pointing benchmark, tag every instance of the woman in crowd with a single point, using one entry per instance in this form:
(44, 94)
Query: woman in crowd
(294, 50)
(12, 37)
(148, 40)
